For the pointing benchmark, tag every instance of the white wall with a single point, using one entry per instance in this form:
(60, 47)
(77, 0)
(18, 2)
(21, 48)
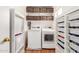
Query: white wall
(42, 24)
(25, 26)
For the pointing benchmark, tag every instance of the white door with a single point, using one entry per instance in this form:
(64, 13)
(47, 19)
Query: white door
(4, 30)
(16, 31)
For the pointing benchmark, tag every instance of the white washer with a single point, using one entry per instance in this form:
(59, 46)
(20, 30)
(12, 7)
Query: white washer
(34, 39)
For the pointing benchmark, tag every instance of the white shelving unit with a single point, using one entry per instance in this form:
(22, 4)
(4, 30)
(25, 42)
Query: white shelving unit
(60, 35)
(73, 19)
(70, 37)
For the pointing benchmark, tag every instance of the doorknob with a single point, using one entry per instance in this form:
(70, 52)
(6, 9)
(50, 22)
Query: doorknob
(6, 39)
